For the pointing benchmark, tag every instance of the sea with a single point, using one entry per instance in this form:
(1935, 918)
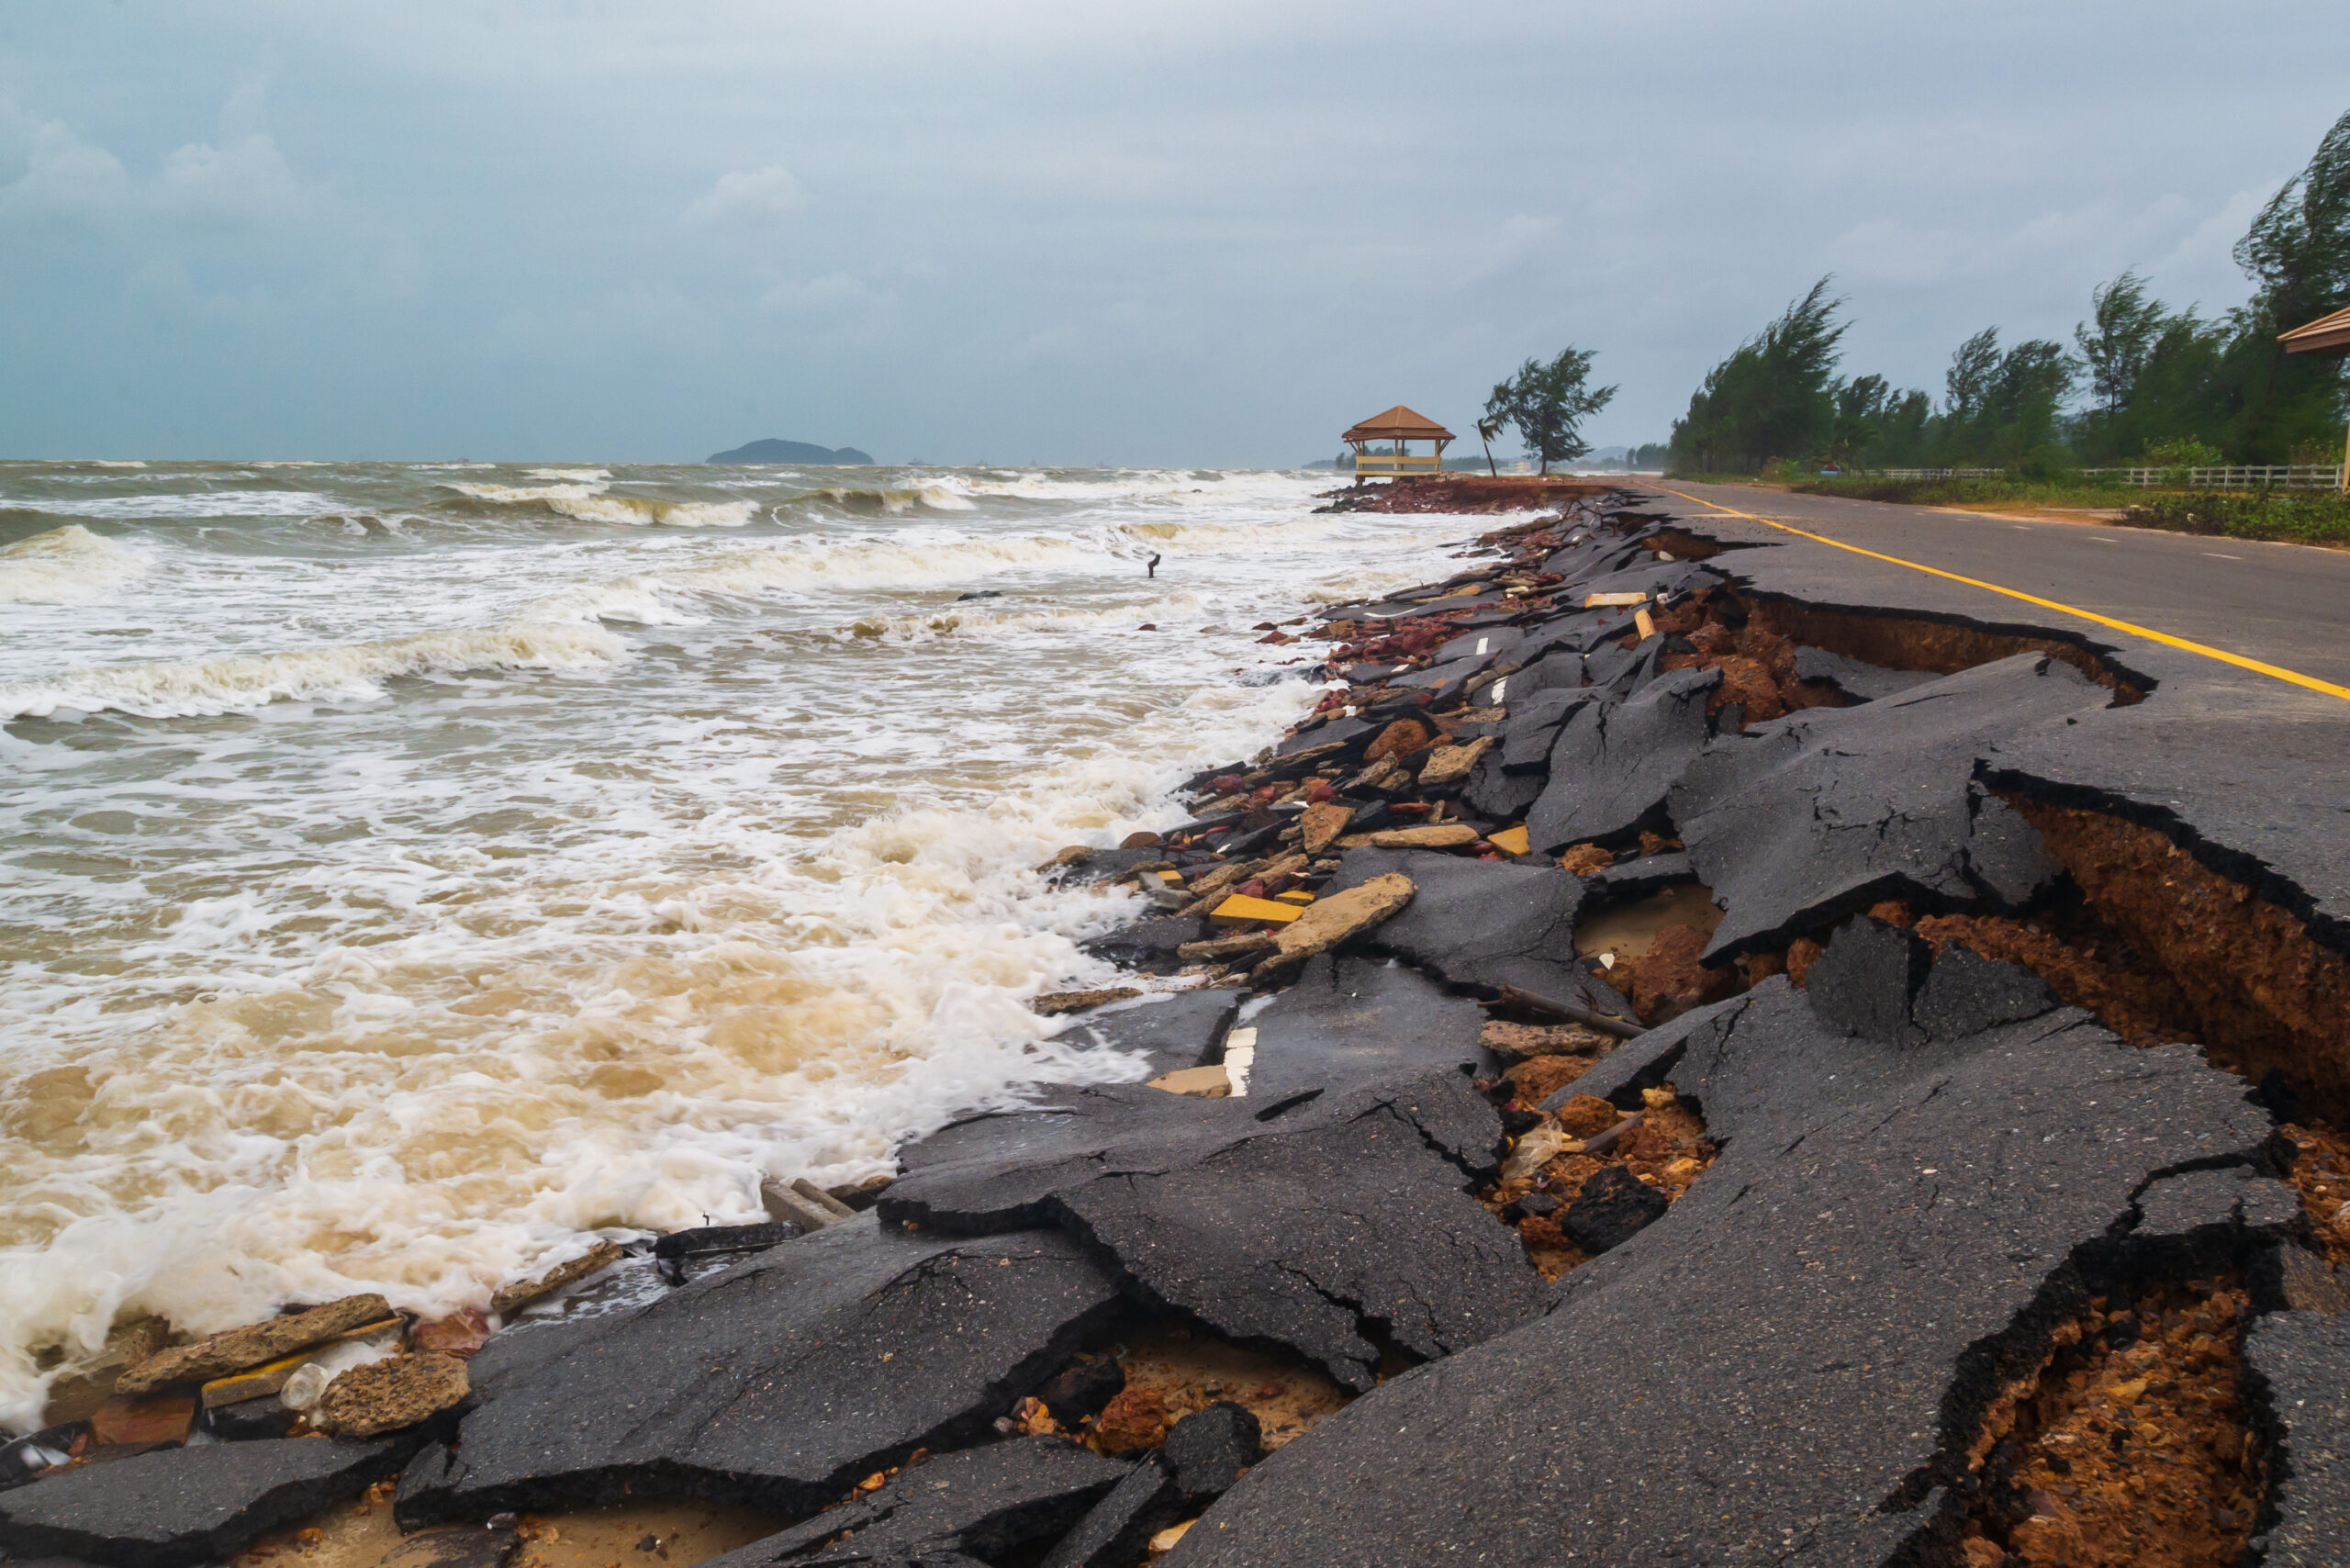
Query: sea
(406, 868)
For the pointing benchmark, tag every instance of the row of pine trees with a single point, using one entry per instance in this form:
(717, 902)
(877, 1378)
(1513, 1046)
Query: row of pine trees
(2141, 381)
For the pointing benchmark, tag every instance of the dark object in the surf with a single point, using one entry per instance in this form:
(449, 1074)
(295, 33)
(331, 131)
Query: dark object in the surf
(716, 1240)
(1153, 569)
(979, 593)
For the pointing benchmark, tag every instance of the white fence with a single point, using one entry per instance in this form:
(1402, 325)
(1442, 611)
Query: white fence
(2280, 477)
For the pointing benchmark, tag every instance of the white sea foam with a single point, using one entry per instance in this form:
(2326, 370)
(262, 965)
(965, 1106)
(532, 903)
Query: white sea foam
(197, 504)
(66, 565)
(582, 476)
(409, 993)
(352, 673)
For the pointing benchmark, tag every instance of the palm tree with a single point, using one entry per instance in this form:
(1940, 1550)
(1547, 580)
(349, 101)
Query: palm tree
(1489, 427)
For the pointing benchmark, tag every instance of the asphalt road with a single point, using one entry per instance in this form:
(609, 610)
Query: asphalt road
(2282, 604)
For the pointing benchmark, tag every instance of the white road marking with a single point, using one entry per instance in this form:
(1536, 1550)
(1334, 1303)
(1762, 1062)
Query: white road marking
(2217, 556)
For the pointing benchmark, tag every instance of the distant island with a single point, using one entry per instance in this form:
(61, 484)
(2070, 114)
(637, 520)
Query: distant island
(791, 452)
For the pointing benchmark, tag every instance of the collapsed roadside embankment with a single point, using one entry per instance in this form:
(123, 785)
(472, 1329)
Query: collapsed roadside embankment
(1682, 1056)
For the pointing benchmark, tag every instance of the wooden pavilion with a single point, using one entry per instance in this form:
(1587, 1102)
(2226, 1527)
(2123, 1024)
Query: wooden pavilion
(2325, 332)
(1399, 427)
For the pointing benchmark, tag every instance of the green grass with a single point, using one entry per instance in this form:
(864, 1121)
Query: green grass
(1973, 492)
(2307, 517)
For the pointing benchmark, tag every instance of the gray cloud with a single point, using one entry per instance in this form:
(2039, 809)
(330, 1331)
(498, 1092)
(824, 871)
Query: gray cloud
(1066, 232)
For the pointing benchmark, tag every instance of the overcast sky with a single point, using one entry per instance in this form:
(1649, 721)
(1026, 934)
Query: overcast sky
(1214, 233)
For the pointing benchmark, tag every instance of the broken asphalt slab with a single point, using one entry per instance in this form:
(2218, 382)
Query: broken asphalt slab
(1184, 1029)
(980, 1503)
(1831, 810)
(2300, 1364)
(1804, 1346)
(1614, 763)
(776, 1383)
(181, 1506)
(1483, 925)
(1319, 1222)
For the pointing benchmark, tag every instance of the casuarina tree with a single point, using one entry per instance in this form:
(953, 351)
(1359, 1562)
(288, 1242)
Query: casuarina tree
(1548, 402)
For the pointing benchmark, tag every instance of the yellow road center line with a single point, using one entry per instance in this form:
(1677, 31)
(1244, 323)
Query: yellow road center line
(2273, 672)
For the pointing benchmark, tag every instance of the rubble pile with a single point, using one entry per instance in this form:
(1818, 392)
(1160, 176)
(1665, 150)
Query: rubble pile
(1658, 1066)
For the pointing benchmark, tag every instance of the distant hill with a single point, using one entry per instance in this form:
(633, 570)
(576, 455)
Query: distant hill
(791, 452)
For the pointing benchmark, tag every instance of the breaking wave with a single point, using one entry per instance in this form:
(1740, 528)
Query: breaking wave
(937, 495)
(634, 512)
(351, 673)
(65, 566)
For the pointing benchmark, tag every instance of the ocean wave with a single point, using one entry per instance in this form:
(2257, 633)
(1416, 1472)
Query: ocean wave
(352, 672)
(580, 476)
(935, 495)
(637, 512)
(195, 503)
(524, 495)
(65, 566)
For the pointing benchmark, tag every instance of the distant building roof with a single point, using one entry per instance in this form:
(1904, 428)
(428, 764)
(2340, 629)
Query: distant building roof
(2325, 332)
(1398, 424)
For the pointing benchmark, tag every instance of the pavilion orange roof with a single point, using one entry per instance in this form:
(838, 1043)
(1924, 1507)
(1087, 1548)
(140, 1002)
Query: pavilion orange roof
(1398, 424)
(2325, 332)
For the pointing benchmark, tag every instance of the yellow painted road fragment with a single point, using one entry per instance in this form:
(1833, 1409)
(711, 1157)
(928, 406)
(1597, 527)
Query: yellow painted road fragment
(1240, 906)
(2291, 678)
(1612, 601)
(1510, 840)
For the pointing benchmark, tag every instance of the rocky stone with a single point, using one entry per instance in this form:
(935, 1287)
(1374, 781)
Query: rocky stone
(778, 1381)
(1828, 811)
(1613, 1208)
(2307, 1283)
(1223, 949)
(1858, 1368)
(175, 1506)
(1579, 1116)
(1137, 1418)
(1400, 738)
(1322, 823)
(1179, 1029)
(2300, 1364)
(1208, 1450)
(1865, 981)
(156, 1418)
(461, 1333)
(1338, 917)
(249, 1419)
(1300, 1222)
(385, 1396)
(1614, 763)
(1083, 1387)
(1053, 1003)
(978, 1504)
(1449, 765)
(1441, 835)
(1150, 945)
(599, 1256)
(238, 1349)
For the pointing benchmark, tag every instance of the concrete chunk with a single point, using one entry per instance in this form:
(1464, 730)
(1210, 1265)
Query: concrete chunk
(251, 1346)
